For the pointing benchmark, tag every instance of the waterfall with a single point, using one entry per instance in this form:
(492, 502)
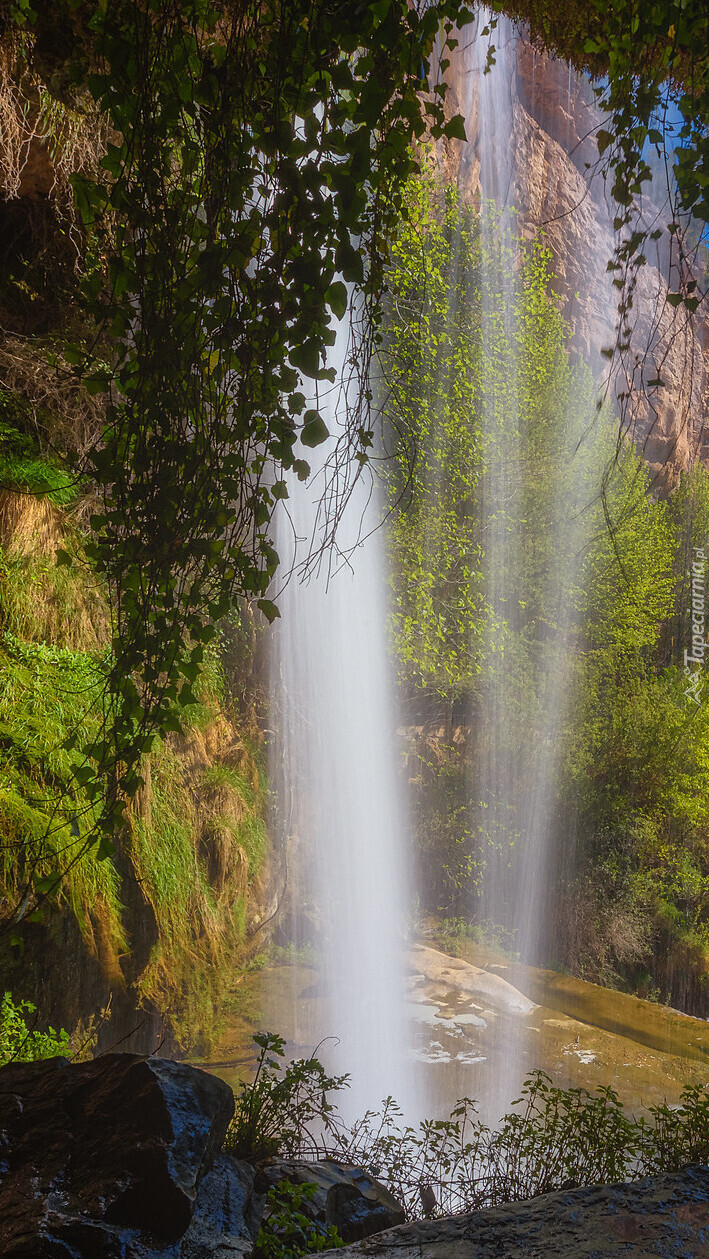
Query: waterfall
(335, 750)
(491, 99)
(341, 816)
(533, 542)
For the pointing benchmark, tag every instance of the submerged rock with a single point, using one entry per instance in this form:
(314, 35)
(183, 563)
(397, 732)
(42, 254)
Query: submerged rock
(664, 1216)
(463, 977)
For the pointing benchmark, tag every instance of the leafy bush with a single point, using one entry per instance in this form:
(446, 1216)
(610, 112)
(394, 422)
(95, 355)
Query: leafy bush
(287, 1232)
(558, 1139)
(20, 1041)
(554, 1139)
(285, 1109)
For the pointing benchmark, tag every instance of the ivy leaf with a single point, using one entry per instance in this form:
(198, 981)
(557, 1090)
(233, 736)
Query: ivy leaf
(455, 128)
(105, 848)
(269, 609)
(48, 885)
(349, 262)
(314, 430)
(336, 298)
(306, 358)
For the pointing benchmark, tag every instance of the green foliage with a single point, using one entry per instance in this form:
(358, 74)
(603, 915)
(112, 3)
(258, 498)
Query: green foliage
(287, 1232)
(292, 954)
(282, 1108)
(553, 1139)
(657, 60)
(254, 174)
(433, 375)
(197, 841)
(636, 773)
(447, 865)
(48, 694)
(256, 168)
(249, 829)
(651, 63)
(29, 474)
(627, 578)
(587, 581)
(194, 842)
(42, 603)
(19, 1039)
(22, 466)
(474, 402)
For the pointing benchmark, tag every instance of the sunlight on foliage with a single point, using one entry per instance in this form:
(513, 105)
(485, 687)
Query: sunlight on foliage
(20, 1041)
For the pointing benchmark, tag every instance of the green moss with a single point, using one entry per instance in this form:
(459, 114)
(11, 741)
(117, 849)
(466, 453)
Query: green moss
(41, 602)
(201, 836)
(249, 829)
(198, 894)
(46, 694)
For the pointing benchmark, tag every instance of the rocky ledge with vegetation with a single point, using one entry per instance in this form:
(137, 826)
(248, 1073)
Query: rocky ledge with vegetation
(665, 1215)
(146, 1158)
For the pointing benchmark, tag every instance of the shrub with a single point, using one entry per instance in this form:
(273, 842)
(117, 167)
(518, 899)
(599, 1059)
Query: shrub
(286, 1108)
(287, 1232)
(554, 1139)
(20, 1042)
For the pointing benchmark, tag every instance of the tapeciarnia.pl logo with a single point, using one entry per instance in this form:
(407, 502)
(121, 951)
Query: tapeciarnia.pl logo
(695, 656)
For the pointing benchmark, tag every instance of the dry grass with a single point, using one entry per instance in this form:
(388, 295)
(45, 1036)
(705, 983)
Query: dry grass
(28, 525)
(40, 602)
(598, 938)
(222, 811)
(197, 839)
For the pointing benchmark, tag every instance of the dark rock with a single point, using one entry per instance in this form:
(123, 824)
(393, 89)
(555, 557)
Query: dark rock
(90, 1150)
(664, 1216)
(223, 1224)
(351, 1199)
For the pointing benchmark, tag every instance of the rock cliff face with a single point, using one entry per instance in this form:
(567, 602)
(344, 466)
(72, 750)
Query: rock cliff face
(538, 120)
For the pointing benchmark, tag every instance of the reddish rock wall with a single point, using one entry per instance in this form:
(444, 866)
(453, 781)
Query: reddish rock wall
(556, 187)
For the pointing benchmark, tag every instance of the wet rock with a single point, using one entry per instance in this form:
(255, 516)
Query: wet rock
(664, 1215)
(92, 1154)
(224, 1223)
(462, 977)
(120, 1159)
(348, 1197)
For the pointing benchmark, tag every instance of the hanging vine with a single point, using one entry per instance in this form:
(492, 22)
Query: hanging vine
(253, 186)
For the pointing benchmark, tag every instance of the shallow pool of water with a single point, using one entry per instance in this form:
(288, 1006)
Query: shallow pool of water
(579, 1033)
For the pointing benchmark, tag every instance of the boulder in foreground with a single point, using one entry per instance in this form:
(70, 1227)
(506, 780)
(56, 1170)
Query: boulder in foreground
(88, 1150)
(346, 1197)
(665, 1216)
